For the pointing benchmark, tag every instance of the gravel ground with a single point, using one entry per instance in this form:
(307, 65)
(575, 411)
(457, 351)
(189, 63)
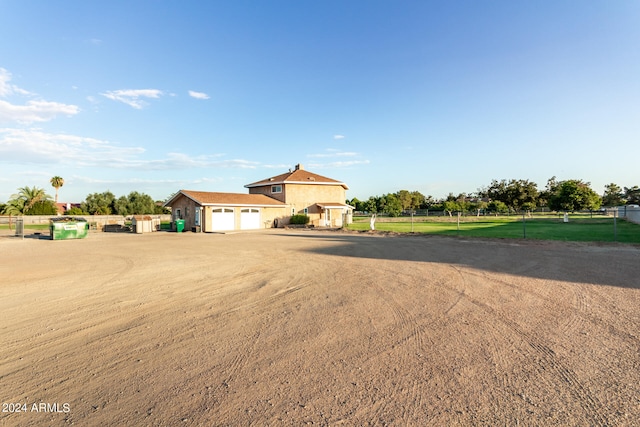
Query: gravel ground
(288, 327)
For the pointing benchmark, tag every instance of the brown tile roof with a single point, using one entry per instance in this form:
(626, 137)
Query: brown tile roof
(298, 176)
(235, 199)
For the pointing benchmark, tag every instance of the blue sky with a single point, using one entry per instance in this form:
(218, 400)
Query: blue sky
(433, 96)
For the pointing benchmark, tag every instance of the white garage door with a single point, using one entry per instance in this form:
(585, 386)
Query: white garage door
(223, 219)
(250, 219)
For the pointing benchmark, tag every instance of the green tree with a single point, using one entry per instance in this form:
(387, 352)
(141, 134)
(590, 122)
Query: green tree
(57, 182)
(159, 209)
(463, 202)
(451, 206)
(404, 197)
(497, 207)
(632, 195)
(478, 205)
(13, 207)
(135, 204)
(517, 194)
(121, 206)
(572, 195)
(373, 205)
(427, 202)
(75, 211)
(417, 200)
(99, 203)
(410, 200)
(26, 199)
(454, 203)
(522, 194)
(613, 195)
(44, 207)
(391, 205)
(357, 204)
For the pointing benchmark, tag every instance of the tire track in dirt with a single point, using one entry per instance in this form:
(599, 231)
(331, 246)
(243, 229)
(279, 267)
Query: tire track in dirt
(549, 361)
(267, 300)
(57, 339)
(245, 348)
(410, 330)
(578, 312)
(576, 315)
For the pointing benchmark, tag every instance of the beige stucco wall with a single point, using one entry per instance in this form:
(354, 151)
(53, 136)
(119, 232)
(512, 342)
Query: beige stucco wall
(266, 189)
(187, 208)
(271, 214)
(267, 216)
(301, 196)
(297, 197)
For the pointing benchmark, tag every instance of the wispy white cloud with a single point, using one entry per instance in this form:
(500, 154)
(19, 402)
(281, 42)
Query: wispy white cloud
(177, 161)
(33, 110)
(337, 154)
(92, 180)
(133, 97)
(338, 164)
(338, 136)
(282, 166)
(6, 88)
(198, 95)
(333, 152)
(36, 146)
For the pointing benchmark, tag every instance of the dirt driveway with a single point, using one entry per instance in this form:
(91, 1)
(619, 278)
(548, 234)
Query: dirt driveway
(322, 328)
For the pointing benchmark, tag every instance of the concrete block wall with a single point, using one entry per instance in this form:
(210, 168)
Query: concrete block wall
(632, 214)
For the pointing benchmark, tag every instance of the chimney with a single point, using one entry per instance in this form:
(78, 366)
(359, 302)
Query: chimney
(299, 167)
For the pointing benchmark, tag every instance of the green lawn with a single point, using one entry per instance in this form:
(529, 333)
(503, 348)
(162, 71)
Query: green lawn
(26, 227)
(581, 229)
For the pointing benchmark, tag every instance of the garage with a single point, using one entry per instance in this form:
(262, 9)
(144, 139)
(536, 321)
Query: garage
(222, 219)
(250, 219)
(221, 212)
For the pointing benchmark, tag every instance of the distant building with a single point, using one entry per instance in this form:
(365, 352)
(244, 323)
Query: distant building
(62, 208)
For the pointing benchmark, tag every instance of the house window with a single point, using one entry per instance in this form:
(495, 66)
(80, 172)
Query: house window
(306, 211)
(178, 216)
(276, 188)
(293, 211)
(197, 216)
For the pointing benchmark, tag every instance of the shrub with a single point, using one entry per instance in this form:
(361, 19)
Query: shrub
(44, 207)
(75, 211)
(299, 219)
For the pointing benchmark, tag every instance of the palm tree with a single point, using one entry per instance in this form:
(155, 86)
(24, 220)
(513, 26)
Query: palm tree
(27, 197)
(57, 182)
(14, 207)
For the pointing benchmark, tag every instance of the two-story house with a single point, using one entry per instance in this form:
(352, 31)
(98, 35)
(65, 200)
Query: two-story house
(270, 203)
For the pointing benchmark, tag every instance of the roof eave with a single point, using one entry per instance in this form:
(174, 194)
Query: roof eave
(248, 205)
(175, 196)
(264, 184)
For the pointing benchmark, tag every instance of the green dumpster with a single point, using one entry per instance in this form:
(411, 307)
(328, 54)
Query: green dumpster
(179, 225)
(63, 229)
